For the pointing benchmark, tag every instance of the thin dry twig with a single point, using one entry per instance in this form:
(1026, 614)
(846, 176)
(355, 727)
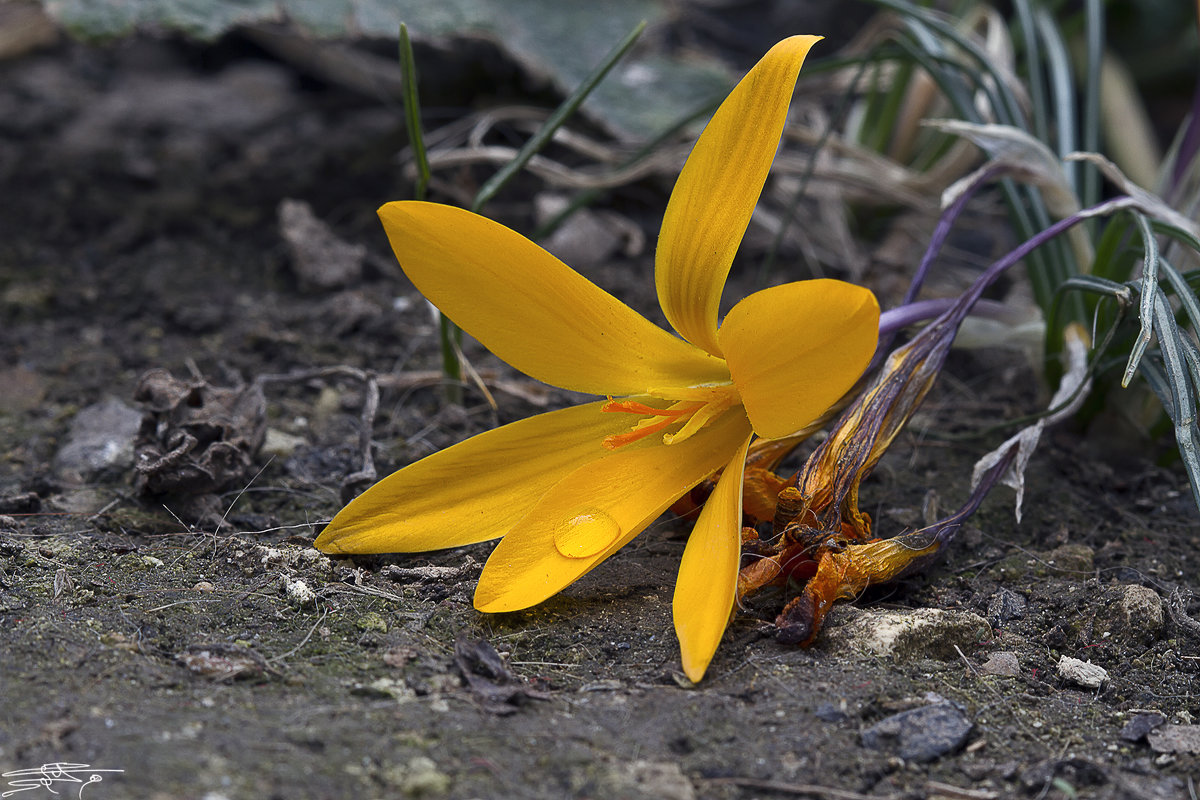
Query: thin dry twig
(799, 788)
(950, 792)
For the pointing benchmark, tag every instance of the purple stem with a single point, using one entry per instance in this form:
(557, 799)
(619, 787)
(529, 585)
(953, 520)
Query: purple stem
(971, 296)
(955, 309)
(900, 317)
(887, 333)
(944, 225)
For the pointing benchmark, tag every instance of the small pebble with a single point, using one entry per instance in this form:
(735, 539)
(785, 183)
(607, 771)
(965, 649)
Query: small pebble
(299, 594)
(100, 440)
(920, 734)
(1005, 605)
(371, 621)
(1137, 728)
(319, 258)
(1002, 663)
(1175, 739)
(420, 777)
(1072, 559)
(1083, 673)
(1142, 612)
(907, 634)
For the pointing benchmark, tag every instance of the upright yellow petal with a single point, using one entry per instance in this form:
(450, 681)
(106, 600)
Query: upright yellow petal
(532, 310)
(718, 189)
(596, 510)
(794, 349)
(473, 491)
(708, 573)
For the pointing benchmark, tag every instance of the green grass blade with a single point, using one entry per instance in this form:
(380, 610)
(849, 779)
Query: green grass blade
(1033, 66)
(1178, 376)
(1063, 89)
(449, 335)
(1149, 291)
(1113, 258)
(1187, 297)
(1089, 192)
(412, 114)
(568, 107)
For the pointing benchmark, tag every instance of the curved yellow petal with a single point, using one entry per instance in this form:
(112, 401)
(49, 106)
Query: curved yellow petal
(596, 510)
(718, 189)
(794, 349)
(708, 573)
(473, 491)
(532, 310)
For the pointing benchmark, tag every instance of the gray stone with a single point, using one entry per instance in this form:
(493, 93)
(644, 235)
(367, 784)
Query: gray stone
(908, 634)
(1140, 725)
(1005, 605)
(1077, 560)
(1175, 739)
(1002, 663)
(319, 258)
(1083, 673)
(1142, 613)
(920, 734)
(100, 440)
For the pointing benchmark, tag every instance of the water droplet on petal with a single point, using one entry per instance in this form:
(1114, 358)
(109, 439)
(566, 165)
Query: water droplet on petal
(586, 534)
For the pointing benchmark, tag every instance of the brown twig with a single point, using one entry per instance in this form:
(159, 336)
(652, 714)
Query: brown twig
(799, 788)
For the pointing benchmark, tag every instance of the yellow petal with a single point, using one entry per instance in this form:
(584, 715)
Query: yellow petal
(534, 311)
(596, 510)
(794, 349)
(708, 572)
(718, 189)
(473, 491)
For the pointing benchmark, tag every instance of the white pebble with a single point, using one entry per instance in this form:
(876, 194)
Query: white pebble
(1084, 673)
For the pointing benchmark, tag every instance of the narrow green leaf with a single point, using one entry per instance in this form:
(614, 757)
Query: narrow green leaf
(412, 113)
(556, 120)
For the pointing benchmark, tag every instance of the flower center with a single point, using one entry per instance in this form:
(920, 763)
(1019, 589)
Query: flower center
(692, 408)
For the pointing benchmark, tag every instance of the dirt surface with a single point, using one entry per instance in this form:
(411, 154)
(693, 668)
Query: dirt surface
(193, 639)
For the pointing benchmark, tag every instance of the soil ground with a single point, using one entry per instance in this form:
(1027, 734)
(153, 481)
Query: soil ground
(208, 652)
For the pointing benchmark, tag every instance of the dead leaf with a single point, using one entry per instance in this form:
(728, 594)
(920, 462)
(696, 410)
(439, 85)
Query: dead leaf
(1072, 391)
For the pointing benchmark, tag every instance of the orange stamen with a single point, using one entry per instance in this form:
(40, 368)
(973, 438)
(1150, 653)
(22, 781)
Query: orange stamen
(658, 419)
(634, 407)
(692, 407)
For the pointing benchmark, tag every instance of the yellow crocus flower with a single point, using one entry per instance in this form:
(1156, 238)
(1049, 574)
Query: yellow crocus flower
(569, 488)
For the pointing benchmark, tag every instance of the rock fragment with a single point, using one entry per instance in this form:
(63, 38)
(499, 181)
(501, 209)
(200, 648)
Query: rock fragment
(909, 634)
(299, 593)
(222, 661)
(100, 440)
(1072, 559)
(1141, 612)
(1005, 605)
(587, 238)
(1082, 673)
(1140, 725)
(1175, 739)
(920, 734)
(1003, 663)
(420, 777)
(320, 259)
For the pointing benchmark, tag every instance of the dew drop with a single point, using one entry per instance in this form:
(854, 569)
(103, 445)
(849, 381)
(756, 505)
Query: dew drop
(586, 534)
